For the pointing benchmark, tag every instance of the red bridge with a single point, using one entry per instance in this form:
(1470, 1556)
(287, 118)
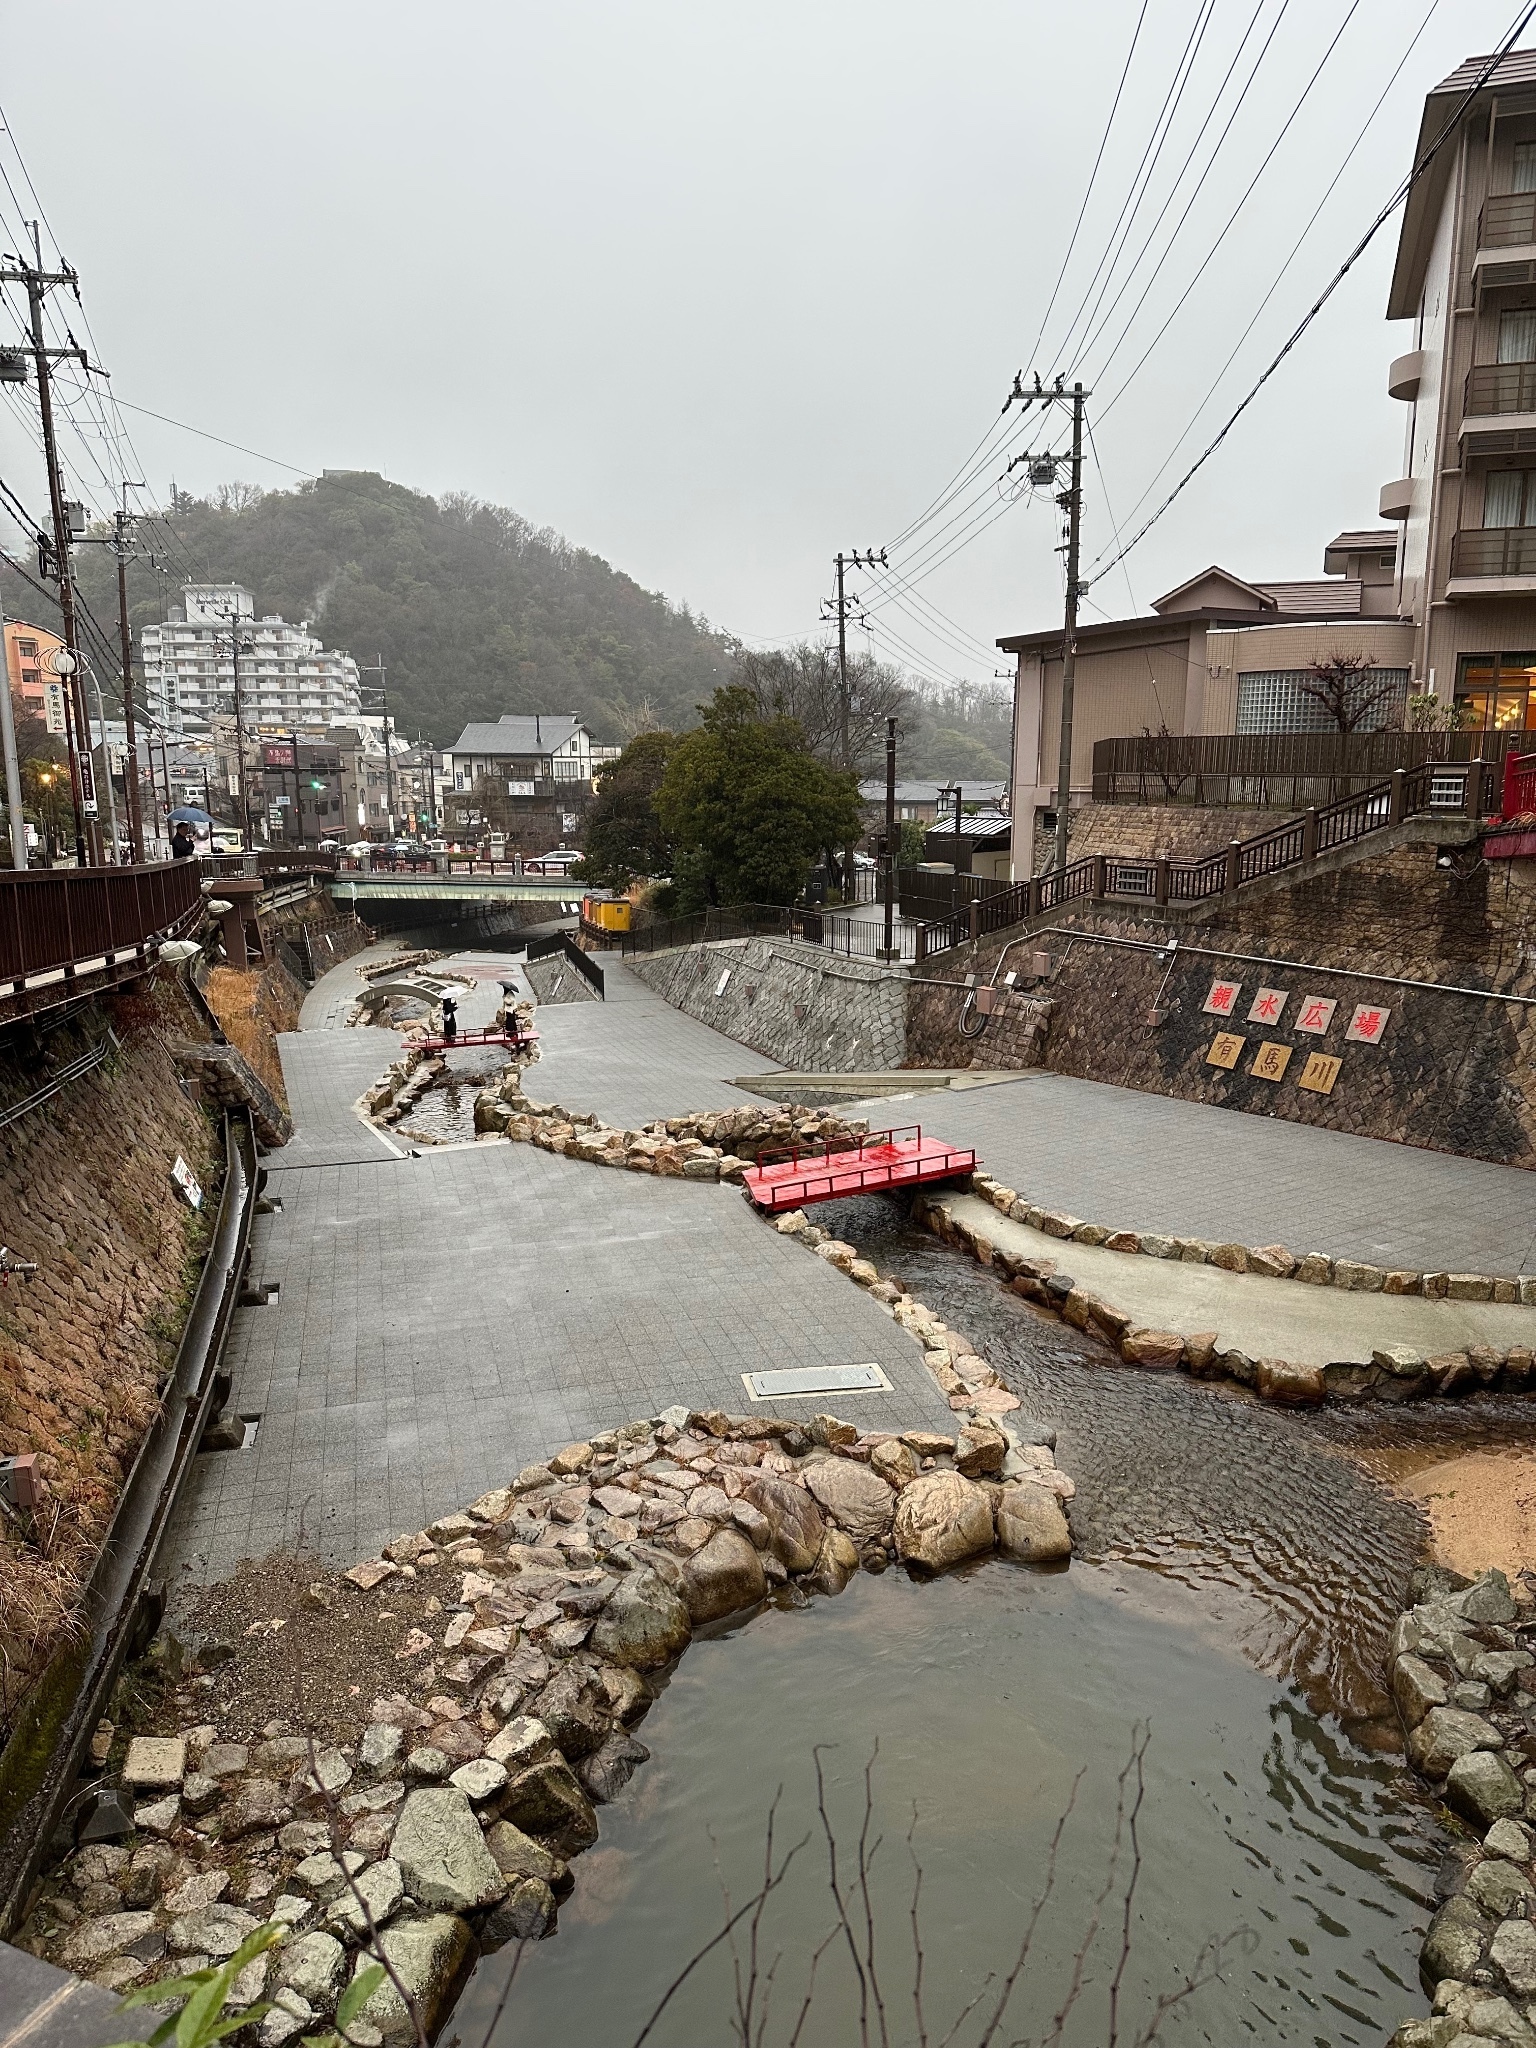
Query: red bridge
(898, 1158)
(514, 1041)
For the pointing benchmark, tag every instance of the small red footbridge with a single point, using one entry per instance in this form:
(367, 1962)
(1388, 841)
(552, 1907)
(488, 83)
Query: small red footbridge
(514, 1041)
(900, 1158)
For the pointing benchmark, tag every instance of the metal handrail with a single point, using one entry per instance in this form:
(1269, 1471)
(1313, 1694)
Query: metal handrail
(54, 920)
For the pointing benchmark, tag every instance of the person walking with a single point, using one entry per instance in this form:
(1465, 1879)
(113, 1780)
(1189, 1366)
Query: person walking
(450, 1019)
(182, 843)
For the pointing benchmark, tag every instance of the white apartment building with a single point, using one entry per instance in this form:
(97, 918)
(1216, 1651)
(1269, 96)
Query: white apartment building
(286, 677)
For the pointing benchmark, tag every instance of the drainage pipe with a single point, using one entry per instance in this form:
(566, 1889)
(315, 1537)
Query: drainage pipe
(63, 1705)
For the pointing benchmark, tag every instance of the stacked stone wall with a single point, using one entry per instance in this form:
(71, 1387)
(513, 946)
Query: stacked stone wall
(1452, 1072)
(795, 1003)
(1153, 832)
(87, 1196)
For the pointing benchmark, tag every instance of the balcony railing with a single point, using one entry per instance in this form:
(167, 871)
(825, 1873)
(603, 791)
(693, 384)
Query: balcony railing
(1508, 221)
(1494, 551)
(1501, 387)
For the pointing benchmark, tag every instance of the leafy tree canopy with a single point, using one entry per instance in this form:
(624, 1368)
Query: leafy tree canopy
(475, 610)
(748, 806)
(624, 838)
(948, 753)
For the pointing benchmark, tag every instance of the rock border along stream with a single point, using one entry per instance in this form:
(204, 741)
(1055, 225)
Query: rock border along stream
(568, 1594)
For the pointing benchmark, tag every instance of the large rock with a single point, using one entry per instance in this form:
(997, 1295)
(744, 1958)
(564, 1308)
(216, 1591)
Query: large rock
(836, 1562)
(311, 1965)
(1454, 1945)
(793, 1517)
(431, 1957)
(382, 1886)
(92, 1941)
(1513, 1954)
(525, 1914)
(644, 1624)
(1446, 1733)
(519, 1855)
(442, 1854)
(608, 1770)
(1031, 1525)
(725, 1575)
(574, 1708)
(1487, 1599)
(856, 1498)
(942, 1518)
(216, 1931)
(1482, 1788)
(1417, 1686)
(545, 1800)
(1501, 1888)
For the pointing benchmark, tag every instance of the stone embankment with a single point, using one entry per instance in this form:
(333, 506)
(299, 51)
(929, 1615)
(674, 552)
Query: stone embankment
(446, 1810)
(1464, 1678)
(1394, 1372)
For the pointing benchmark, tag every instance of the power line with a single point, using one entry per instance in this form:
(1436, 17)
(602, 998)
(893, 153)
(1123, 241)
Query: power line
(204, 434)
(1397, 199)
(1296, 247)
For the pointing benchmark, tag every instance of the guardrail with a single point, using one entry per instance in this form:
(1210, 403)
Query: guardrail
(269, 861)
(1444, 787)
(1507, 221)
(562, 942)
(60, 927)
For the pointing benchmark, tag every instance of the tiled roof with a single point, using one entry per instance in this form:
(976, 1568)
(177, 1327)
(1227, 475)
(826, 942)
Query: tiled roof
(1382, 540)
(517, 734)
(1518, 68)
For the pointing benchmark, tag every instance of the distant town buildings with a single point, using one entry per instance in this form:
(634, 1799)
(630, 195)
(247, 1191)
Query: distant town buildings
(287, 678)
(27, 649)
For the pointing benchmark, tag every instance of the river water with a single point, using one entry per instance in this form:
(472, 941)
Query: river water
(1238, 1570)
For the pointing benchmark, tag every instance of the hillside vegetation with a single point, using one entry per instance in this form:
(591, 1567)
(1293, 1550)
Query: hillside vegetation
(474, 610)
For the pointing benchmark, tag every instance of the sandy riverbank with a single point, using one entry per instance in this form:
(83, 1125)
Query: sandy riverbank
(1481, 1508)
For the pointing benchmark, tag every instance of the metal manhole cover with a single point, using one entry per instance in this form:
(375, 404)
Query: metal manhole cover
(800, 1381)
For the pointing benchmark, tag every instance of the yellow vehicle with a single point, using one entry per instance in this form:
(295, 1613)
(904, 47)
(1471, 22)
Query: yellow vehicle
(606, 913)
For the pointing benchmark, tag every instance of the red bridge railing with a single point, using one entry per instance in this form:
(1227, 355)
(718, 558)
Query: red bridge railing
(64, 920)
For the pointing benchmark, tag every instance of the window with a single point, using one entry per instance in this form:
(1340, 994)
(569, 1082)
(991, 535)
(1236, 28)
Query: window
(1525, 167)
(27, 649)
(1274, 700)
(1497, 692)
(1509, 497)
(1517, 336)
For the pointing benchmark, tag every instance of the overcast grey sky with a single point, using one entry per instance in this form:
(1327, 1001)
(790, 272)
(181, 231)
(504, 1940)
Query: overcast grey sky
(718, 290)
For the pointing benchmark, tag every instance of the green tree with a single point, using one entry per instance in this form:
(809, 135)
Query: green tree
(623, 839)
(748, 807)
(948, 753)
(914, 843)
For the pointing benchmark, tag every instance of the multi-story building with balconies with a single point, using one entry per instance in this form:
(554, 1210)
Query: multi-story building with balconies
(1466, 277)
(287, 679)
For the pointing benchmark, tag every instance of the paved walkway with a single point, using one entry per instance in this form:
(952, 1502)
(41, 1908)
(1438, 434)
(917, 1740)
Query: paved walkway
(1265, 1318)
(1187, 1169)
(446, 1319)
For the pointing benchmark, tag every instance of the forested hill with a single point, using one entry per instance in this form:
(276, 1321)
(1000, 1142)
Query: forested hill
(475, 611)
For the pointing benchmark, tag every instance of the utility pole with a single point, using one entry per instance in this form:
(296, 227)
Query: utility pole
(889, 863)
(868, 560)
(1072, 504)
(38, 282)
(121, 546)
(246, 841)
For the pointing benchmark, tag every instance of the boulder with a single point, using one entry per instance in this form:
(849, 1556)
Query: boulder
(1482, 1788)
(1487, 1599)
(1444, 1734)
(430, 1956)
(574, 1708)
(442, 1854)
(216, 1931)
(980, 1451)
(382, 1886)
(608, 1770)
(1513, 1954)
(836, 1563)
(1501, 1888)
(522, 1742)
(525, 1914)
(155, 1762)
(1417, 1686)
(479, 1778)
(519, 1855)
(895, 1461)
(1454, 1945)
(856, 1498)
(256, 1807)
(545, 1800)
(726, 1575)
(1293, 1385)
(310, 1964)
(942, 1518)
(1031, 1525)
(644, 1623)
(1161, 1348)
(92, 1941)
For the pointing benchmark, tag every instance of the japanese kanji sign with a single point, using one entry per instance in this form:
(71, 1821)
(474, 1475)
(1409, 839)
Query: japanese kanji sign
(1271, 1061)
(1320, 1073)
(1267, 1005)
(1367, 1025)
(1225, 1048)
(1316, 1013)
(1222, 999)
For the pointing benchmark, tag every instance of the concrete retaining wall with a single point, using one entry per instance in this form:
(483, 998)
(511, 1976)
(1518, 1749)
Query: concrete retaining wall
(793, 1002)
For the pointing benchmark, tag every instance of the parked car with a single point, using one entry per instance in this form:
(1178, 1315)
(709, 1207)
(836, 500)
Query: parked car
(329, 846)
